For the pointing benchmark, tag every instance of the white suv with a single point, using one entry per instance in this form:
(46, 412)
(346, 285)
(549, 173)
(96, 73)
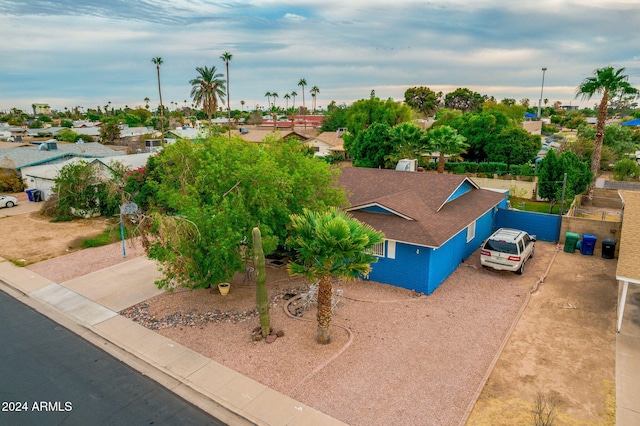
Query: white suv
(507, 250)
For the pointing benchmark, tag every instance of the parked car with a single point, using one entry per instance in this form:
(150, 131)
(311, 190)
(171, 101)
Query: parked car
(507, 250)
(8, 201)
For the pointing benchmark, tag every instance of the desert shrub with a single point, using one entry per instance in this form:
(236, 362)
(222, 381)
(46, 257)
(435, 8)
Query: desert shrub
(11, 181)
(625, 169)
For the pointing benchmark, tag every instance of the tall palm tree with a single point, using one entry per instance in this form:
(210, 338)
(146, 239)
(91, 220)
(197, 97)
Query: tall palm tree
(268, 95)
(445, 140)
(330, 244)
(146, 101)
(226, 57)
(314, 91)
(207, 88)
(286, 98)
(158, 61)
(274, 95)
(293, 95)
(242, 105)
(303, 83)
(610, 84)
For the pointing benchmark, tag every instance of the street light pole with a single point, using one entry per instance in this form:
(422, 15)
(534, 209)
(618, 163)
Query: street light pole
(541, 91)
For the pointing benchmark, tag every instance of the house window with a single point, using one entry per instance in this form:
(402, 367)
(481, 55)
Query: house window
(391, 249)
(378, 249)
(471, 231)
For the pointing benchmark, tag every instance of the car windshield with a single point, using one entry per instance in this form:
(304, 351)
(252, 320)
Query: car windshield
(501, 246)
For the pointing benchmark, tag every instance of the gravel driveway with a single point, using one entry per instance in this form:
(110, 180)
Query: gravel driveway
(396, 357)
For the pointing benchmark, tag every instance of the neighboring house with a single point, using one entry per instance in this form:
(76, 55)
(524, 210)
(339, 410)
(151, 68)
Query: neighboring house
(50, 152)
(256, 134)
(43, 177)
(431, 222)
(325, 143)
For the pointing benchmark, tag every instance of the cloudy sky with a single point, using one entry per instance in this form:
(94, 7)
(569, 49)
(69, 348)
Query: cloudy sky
(86, 53)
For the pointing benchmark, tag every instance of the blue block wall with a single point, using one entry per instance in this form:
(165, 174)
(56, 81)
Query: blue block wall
(546, 227)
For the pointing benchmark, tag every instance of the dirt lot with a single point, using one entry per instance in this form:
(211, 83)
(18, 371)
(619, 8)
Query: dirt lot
(561, 349)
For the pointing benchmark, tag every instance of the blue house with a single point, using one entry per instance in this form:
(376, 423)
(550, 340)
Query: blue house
(431, 222)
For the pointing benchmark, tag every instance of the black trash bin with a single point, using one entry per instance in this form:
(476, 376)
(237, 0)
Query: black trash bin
(37, 195)
(609, 248)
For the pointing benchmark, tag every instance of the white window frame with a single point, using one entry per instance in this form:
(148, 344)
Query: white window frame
(378, 249)
(391, 249)
(471, 231)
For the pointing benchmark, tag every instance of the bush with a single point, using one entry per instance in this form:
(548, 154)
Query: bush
(625, 169)
(10, 181)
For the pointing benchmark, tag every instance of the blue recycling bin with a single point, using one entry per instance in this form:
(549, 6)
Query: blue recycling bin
(30, 193)
(588, 244)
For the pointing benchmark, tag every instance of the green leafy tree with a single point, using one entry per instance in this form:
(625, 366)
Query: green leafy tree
(110, 132)
(203, 199)
(372, 147)
(445, 141)
(365, 112)
(330, 244)
(481, 130)
(551, 172)
(514, 145)
(610, 84)
(207, 88)
(336, 118)
(465, 100)
(423, 99)
(513, 111)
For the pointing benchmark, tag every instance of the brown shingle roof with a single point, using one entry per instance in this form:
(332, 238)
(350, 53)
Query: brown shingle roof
(419, 200)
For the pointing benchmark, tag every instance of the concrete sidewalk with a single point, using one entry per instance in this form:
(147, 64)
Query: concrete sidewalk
(89, 306)
(628, 362)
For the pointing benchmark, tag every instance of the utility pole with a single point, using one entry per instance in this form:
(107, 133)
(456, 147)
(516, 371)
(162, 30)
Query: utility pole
(541, 91)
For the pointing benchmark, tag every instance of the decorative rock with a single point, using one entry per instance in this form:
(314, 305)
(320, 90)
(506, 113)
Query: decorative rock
(271, 338)
(280, 333)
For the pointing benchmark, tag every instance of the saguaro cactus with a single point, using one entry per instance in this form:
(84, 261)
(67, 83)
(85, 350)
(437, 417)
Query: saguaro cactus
(262, 298)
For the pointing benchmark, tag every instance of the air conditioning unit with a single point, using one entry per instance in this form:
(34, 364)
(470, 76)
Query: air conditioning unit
(407, 165)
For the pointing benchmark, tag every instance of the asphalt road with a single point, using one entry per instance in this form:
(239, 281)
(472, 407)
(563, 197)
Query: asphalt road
(51, 376)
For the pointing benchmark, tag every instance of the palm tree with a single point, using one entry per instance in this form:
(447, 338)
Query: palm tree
(330, 244)
(293, 95)
(207, 88)
(286, 98)
(445, 140)
(314, 91)
(242, 105)
(268, 95)
(303, 83)
(226, 57)
(274, 95)
(158, 61)
(146, 102)
(610, 84)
